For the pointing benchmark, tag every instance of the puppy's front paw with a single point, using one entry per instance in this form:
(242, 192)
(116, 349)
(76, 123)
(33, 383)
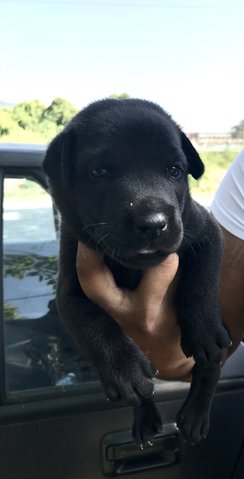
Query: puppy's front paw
(206, 345)
(147, 422)
(193, 423)
(128, 374)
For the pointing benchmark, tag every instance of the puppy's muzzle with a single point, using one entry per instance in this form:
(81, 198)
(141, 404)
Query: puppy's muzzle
(151, 226)
(151, 219)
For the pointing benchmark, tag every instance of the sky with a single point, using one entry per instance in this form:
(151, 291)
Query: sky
(186, 55)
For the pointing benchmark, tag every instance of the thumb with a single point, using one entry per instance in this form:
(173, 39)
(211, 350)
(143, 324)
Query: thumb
(96, 280)
(156, 281)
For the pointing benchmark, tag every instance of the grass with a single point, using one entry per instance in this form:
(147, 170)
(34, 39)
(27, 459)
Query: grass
(25, 136)
(216, 164)
(23, 190)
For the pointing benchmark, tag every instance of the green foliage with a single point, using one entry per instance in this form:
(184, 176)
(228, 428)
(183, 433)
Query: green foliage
(32, 122)
(216, 163)
(28, 114)
(24, 190)
(10, 311)
(59, 112)
(122, 95)
(7, 123)
(238, 130)
(48, 129)
(21, 266)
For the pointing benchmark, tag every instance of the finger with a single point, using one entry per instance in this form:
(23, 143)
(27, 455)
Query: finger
(156, 281)
(95, 278)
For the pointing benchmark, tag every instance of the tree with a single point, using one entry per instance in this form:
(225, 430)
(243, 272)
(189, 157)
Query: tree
(48, 129)
(122, 95)
(34, 122)
(7, 124)
(10, 311)
(20, 266)
(28, 114)
(238, 130)
(60, 112)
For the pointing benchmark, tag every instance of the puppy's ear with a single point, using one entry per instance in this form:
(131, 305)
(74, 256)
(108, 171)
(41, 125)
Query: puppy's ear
(196, 166)
(59, 158)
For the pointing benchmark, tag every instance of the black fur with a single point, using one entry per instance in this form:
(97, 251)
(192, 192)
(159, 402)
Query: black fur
(118, 174)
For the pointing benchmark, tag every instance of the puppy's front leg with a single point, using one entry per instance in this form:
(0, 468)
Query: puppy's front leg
(203, 335)
(125, 372)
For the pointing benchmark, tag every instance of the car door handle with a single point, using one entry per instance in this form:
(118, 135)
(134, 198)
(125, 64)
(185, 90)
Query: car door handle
(121, 455)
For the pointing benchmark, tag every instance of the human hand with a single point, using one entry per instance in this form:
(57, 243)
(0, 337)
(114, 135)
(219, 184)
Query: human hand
(145, 314)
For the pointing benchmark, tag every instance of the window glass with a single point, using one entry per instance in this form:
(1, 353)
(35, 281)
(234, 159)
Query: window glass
(39, 352)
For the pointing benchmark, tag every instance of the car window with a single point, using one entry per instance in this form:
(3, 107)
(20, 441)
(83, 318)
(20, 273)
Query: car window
(39, 352)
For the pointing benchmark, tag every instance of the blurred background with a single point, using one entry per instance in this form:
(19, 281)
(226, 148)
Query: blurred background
(56, 56)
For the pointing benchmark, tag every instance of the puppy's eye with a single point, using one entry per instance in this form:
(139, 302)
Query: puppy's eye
(174, 172)
(98, 172)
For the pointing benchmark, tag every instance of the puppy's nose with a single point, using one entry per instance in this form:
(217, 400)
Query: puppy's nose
(152, 225)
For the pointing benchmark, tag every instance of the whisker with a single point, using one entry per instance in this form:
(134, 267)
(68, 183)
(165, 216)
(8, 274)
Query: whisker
(189, 246)
(88, 241)
(101, 239)
(95, 224)
(209, 240)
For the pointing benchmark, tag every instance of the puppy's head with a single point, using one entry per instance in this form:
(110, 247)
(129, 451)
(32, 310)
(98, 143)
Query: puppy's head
(118, 173)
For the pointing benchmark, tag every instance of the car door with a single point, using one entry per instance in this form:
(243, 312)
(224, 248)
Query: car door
(55, 421)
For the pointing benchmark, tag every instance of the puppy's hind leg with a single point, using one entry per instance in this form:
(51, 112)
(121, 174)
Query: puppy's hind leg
(193, 418)
(147, 422)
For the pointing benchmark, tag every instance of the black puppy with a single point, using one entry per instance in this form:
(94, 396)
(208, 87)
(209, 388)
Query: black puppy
(118, 174)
